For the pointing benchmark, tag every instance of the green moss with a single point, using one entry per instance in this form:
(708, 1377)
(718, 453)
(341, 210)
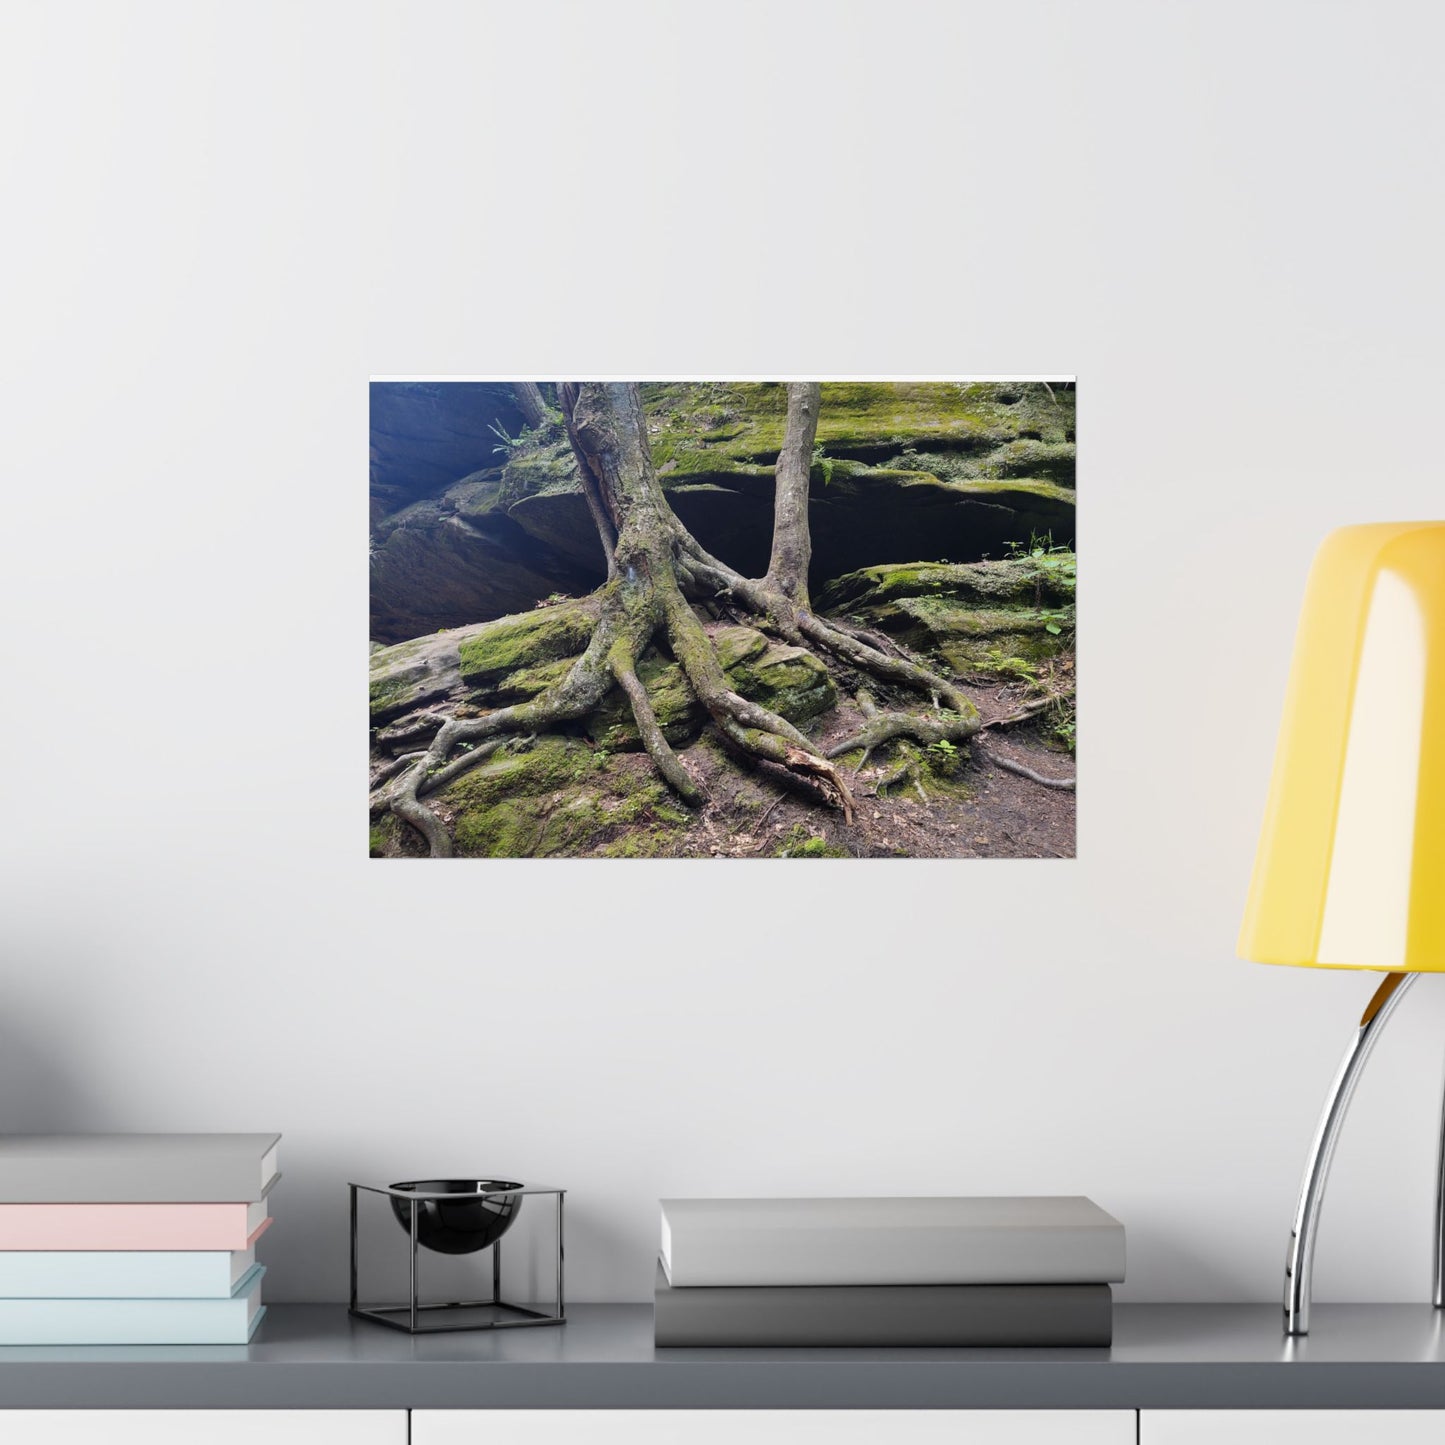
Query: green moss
(526, 682)
(679, 714)
(737, 645)
(1021, 495)
(526, 639)
(540, 465)
(504, 830)
(1053, 461)
(732, 431)
(557, 798)
(1015, 580)
(386, 692)
(801, 843)
(641, 843)
(789, 680)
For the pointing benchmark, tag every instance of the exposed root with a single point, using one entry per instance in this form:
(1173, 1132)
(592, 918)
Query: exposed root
(1009, 766)
(624, 669)
(909, 768)
(875, 639)
(584, 686)
(751, 727)
(387, 771)
(920, 727)
(1028, 710)
(466, 762)
(418, 729)
(890, 669)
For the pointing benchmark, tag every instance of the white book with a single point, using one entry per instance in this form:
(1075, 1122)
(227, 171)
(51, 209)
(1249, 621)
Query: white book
(123, 1274)
(1047, 1239)
(230, 1321)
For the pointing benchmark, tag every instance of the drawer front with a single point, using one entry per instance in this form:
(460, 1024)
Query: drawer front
(202, 1427)
(773, 1427)
(1292, 1427)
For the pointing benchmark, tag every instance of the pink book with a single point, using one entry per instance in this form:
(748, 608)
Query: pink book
(132, 1226)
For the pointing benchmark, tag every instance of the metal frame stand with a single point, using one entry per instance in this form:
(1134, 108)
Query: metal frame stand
(415, 1318)
(1299, 1265)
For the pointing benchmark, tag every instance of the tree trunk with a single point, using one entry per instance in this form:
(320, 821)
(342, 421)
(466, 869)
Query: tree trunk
(792, 538)
(530, 402)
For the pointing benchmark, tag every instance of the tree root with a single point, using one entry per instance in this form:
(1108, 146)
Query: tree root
(578, 693)
(959, 722)
(749, 726)
(418, 729)
(1028, 710)
(433, 782)
(667, 762)
(1009, 766)
(634, 607)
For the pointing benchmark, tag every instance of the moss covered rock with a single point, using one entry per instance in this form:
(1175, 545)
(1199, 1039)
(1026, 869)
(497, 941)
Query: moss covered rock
(524, 640)
(559, 796)
(413, 674)
(972, 617)
(679, 714)
(1019, 580)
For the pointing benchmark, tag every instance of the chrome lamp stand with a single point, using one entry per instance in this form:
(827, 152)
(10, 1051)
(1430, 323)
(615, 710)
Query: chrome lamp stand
(1299, 1266)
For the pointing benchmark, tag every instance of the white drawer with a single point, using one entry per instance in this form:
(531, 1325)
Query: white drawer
(1292, 1427)
(202, 1427)
(773, 1427)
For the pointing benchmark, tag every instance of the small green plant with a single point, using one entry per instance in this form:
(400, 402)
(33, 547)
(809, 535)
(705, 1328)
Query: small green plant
(998, 663)
(944, 758)
(1052, 559)
(1053, 564)
(509, 444)
(824, 463)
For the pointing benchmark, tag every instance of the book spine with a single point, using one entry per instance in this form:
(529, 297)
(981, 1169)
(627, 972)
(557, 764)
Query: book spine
(212, 1175)
(133, 1321)
(124, 1274)
(125, 1227)
(885, 1316)
(717, 1255)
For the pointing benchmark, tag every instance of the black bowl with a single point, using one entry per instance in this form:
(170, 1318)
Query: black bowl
(462, 1225)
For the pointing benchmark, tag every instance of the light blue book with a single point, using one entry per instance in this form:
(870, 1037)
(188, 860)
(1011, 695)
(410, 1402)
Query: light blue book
(122, 1274)
(228, 1321)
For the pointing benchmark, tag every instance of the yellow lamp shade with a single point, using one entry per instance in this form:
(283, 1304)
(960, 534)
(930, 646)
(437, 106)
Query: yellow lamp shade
(1350, 871)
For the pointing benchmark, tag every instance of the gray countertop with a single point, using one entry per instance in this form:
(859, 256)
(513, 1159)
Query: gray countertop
(1164, 1357)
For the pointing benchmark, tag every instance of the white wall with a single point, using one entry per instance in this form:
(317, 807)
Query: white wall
(1224, 218)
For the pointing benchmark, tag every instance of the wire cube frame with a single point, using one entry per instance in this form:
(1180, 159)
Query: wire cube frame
(415, 1318)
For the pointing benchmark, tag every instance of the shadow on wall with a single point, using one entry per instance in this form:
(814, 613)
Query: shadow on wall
(39, 1092)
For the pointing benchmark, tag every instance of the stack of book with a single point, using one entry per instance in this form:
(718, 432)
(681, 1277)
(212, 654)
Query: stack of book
(132, 1239)
(883, 1272)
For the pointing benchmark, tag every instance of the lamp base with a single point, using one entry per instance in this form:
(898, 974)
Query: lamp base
(1299, 1264)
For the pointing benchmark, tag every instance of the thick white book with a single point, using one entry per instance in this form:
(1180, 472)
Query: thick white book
(230, 1321)
(123, 1274)
(136, 1168)
(1038, 1239)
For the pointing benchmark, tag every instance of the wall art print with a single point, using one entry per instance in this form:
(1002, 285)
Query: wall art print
(723, 619)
